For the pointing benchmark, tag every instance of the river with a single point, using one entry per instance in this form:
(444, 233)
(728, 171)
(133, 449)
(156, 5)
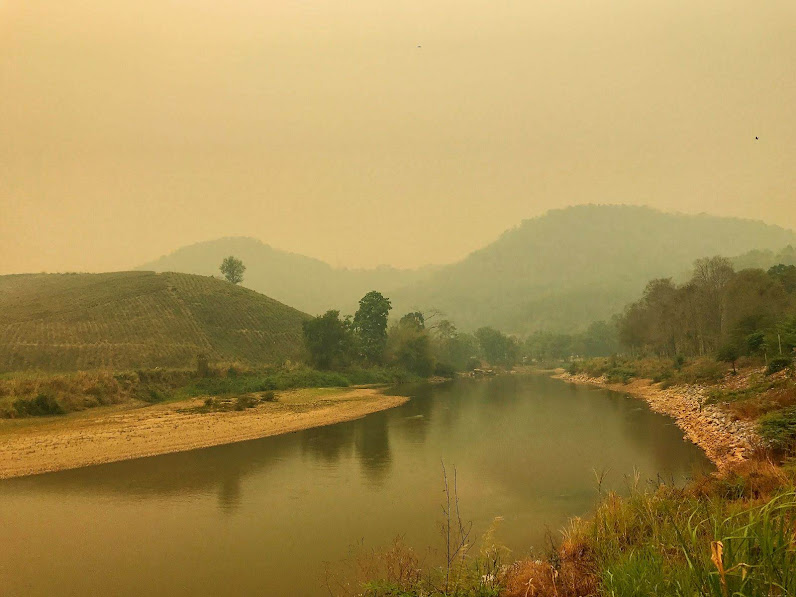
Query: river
(266, 517)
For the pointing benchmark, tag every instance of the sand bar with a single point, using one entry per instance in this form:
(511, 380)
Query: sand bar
(29, 447)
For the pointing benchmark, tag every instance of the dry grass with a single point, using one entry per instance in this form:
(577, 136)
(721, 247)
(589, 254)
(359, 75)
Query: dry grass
(569, 572)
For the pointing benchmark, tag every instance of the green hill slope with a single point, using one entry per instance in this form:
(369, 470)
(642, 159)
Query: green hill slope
(306, 283)
(572, 266)
(64, 322)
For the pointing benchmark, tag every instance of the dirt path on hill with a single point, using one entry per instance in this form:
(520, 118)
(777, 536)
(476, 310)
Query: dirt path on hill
(38, 446)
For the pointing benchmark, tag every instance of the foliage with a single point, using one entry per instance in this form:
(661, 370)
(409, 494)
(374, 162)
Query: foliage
(778, 364)
(41, 406)
(233, 269)
(409, 346)
(599, 339)
(779, 429)
(669, 543)
(717, 310)
(497, 347)
(729, 353)
(370, 325)
(329, 340)
(283, 379)
(672, 371)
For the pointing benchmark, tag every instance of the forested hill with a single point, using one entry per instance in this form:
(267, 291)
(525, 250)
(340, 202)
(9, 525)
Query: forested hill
(305, 283)
(126, 320)
(569, 267)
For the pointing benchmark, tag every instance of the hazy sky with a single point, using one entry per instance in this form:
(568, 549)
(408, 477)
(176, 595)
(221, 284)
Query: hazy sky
(130, 128)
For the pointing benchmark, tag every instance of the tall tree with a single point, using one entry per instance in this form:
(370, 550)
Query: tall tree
(409, 345)
(329, 340)
(233, 269)
(370, 324)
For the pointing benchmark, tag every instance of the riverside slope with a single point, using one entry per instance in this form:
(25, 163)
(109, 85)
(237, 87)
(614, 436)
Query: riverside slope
(726, 441)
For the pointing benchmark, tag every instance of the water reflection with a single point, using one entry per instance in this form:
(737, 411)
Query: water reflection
(260, 517)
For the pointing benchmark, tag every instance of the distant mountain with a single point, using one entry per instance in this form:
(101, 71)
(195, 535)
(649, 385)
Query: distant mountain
(765, 259)
(303, 282)
(572, 266)
(131, 320)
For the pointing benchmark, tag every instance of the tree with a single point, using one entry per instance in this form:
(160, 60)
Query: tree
(498, 348)
(233, 269)
(415, 319)
(370, 325)
(409, 346)
(329, 340)
(729, 353)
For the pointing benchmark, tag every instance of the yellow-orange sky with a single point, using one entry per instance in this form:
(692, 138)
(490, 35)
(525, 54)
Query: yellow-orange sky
(130, 128)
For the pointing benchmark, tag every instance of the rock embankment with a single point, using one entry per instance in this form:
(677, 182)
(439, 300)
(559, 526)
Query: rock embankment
(726, 440)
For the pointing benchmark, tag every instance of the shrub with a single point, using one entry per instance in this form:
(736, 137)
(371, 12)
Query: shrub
(779, 429)
(703, 370)
(153, 395)
(42, 405)
(620, 374)
(269, 396)
(778, 364)
(444, 370)
(244, 402)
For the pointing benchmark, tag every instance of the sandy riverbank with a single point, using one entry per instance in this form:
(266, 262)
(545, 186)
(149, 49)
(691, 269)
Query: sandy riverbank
(38, 446)
(726, 441)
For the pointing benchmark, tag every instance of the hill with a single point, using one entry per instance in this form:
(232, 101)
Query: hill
(572, 266)
(125, 320)
(765, 259)
(306, 283)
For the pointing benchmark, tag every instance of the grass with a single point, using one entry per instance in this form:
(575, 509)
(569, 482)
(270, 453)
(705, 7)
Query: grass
(43, 394)
(139, 320)
(670, 371)
(720, 536)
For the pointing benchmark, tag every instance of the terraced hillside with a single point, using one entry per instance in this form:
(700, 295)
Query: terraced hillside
(126, 320)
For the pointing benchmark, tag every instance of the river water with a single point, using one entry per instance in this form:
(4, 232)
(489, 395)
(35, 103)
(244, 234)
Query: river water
(266, 517)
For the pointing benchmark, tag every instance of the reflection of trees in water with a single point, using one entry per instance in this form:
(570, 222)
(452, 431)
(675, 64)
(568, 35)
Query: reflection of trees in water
(229, 492)
(373, 447)
(327, 443)
(413, 419)
(188, 474)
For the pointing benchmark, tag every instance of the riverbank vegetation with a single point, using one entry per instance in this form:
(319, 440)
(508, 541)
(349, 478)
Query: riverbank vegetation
(422, 344)
(732, 335)
(720, 535)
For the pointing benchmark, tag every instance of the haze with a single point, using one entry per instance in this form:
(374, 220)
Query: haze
(371, 132)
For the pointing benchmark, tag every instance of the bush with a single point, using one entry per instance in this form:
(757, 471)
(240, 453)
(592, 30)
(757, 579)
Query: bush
(444, 370)
(778, 364)
(153, 395)
(620, 374)
(702, 370)
(779, 429)
(244, 402)
(42, 405)
(269, 396)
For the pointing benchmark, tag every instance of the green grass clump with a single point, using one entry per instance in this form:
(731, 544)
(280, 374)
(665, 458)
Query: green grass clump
(778, 428)
(670, 543)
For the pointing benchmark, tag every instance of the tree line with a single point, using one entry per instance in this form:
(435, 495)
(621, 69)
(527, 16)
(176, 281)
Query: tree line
(718, 312)
(423, 344)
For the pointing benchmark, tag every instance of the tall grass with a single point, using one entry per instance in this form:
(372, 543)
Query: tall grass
(669, 543)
